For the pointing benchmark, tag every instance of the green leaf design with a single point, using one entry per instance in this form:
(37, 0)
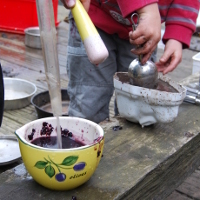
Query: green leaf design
(41, 164)
(70, 160)
(50, 171)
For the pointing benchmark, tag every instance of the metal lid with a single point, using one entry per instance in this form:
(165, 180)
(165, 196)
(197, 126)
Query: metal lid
(9, 150)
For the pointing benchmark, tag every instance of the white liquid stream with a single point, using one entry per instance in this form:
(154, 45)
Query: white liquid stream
(53, 77)
(57, 111)
(59, 137)
(50, 55)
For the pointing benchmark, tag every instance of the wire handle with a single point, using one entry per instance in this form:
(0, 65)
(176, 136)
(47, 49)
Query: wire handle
(134, 26)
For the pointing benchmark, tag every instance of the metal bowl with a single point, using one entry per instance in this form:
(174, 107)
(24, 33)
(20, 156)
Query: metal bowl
(32, 37)
(42, 105)
(9, 150)
(18, 93)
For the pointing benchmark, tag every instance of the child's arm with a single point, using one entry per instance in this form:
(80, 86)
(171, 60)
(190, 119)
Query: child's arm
(180, 25)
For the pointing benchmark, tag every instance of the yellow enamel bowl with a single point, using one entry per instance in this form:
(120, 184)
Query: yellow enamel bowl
(61, 169)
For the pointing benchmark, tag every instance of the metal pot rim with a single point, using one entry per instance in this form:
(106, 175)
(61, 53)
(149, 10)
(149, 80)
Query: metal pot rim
(27, 31)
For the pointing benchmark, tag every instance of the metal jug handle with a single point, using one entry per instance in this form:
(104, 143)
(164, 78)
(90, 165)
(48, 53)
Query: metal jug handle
(134, 26)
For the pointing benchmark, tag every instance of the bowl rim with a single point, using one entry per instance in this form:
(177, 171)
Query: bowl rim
(150, 94)
(26, 31)
(44, 92)
(21, 80)
(25, 142)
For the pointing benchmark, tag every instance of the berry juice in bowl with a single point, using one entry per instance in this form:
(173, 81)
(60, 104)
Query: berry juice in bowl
(66, 168)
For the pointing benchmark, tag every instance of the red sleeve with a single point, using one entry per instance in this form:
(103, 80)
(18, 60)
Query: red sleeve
(128, 6)
(180, 19)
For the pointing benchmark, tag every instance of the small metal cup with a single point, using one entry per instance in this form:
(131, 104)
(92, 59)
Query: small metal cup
(32, 37)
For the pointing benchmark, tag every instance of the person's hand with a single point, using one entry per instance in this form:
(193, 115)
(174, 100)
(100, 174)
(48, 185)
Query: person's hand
(71, 3)
(171, 58)
(148, 32)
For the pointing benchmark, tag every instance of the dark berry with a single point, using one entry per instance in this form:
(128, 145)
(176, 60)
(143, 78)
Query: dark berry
(30, 137)
(79, 166)
(60, 177)
(65, 132)
(46, 129)
(44, 123)
(98, 153)
(70, 134)
(74, 198)
(117, 128)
